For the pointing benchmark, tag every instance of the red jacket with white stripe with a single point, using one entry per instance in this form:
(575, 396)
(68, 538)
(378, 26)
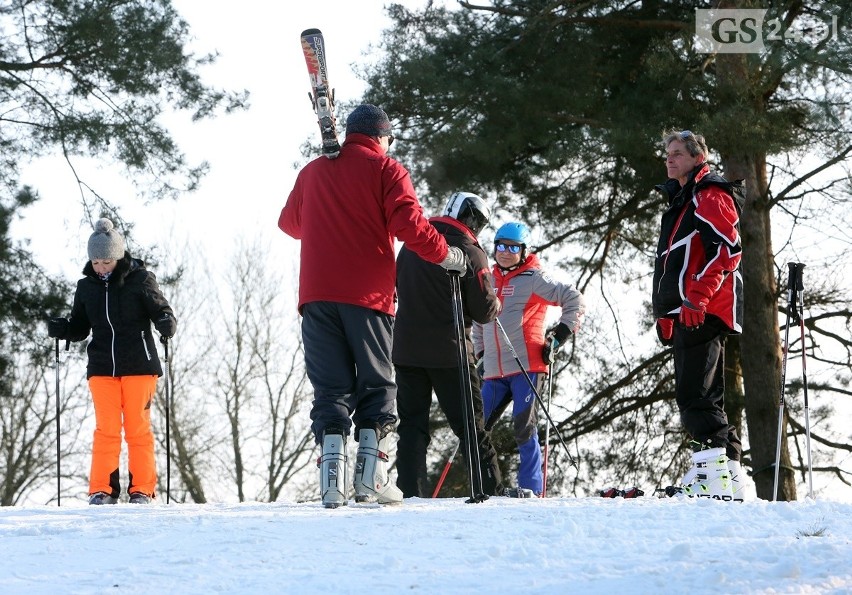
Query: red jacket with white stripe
(526, 293)
(347, 212)
(699, 250)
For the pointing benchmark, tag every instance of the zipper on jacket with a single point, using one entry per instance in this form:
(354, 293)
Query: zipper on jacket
(669, 247)
(499, 350)
(145, 347)
(498, 289)
(111, 328)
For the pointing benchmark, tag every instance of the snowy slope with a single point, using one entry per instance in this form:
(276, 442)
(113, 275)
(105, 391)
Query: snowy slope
(555, 545)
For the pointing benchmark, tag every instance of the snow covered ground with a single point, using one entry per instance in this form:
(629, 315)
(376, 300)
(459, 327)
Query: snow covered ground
(554, 545)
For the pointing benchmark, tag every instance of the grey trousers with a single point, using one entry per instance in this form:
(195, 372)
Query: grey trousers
(348, 361)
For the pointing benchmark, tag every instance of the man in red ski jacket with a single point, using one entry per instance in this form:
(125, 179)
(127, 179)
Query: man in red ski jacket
(347, 212)
(697, 300)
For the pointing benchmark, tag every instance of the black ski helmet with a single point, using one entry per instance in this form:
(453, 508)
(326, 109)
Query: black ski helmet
(469, 209)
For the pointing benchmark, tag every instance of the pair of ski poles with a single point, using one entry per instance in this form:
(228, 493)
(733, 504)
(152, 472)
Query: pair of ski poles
(58, 425)
(795, 315)
(467, 393)
(167, 359)
(544, 408)
(471, 440)
(165, 342)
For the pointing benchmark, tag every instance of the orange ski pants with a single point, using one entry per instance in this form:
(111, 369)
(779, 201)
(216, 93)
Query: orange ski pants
(127, 399)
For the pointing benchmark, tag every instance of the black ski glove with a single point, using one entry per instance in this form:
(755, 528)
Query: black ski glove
(553, 340)
(57, 327)
(166, 325)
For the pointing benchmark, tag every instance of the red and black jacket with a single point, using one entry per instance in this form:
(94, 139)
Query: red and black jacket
(698, 255)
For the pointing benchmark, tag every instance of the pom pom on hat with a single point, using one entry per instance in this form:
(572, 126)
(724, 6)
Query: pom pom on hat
(368, 119)
(106, 243)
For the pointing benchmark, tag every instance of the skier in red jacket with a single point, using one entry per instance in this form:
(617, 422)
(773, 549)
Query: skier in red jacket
(347, 212)
(697, 300)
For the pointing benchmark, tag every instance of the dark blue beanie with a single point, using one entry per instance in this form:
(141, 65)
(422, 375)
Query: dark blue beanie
(368, 119)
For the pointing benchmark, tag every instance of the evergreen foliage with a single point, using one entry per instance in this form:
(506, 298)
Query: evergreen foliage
(555, 110)
(82, 79)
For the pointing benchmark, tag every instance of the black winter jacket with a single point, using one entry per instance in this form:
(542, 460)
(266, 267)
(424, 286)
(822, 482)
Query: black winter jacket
(118, 312)
(424, 329)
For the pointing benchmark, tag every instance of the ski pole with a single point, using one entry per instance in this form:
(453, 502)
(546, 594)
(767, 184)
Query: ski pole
(446, 470)
(165, 341)
(535, 392)
(58, 425)
(800, 289)
(468, 414)
(58, 431)
(547, 434)
(792, 315)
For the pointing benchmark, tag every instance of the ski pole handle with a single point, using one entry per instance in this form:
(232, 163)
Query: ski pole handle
(792, 274)
(794, 292)
(800, 270)
(795, 274)
(800, 291)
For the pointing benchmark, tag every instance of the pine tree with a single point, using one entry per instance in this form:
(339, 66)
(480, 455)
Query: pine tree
(556, 109)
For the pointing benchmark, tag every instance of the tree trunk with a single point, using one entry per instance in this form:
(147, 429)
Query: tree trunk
(187, 467)
(734, 395)
(760, 341)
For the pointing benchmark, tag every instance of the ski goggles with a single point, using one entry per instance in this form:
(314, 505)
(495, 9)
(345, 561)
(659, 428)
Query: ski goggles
(513, 248)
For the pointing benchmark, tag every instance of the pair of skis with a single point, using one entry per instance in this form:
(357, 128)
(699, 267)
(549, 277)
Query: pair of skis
(321, 94)
(633, 492)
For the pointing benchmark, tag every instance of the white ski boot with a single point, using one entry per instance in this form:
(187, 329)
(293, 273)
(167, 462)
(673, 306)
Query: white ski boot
(372, 483)
(690, 476)
(737, 480)
(332, 466)
(712, 477)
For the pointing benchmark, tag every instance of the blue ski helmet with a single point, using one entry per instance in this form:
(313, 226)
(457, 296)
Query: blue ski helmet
(469, 209)
(514, 232)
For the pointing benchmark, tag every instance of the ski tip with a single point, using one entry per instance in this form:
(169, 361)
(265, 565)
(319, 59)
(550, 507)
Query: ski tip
(311, 32)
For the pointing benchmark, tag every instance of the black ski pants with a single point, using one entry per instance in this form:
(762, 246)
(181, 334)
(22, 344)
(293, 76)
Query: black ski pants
(347, 359)
(699, 362)
(414, 401)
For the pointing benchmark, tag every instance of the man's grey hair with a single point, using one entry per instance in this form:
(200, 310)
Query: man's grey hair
(694, 143)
